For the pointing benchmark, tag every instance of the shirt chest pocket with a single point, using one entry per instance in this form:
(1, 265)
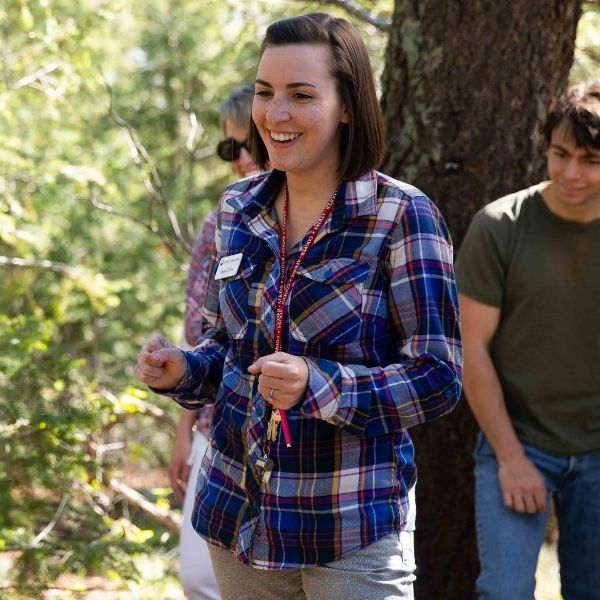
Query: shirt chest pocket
(326, 303)
(236, 299)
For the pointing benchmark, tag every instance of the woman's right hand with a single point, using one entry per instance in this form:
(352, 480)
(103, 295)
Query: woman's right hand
(160, 364)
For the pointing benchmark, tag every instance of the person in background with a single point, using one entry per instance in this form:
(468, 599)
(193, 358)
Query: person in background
(332, 309)
(192, 433)
(528, 274)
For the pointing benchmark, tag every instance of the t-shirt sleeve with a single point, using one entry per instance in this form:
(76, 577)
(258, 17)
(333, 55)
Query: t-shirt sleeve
(481, 262)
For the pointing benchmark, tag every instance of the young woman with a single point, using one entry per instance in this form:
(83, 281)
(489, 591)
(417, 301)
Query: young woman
(332, 327)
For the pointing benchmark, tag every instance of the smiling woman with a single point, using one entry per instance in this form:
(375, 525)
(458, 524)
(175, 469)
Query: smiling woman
(337, 325)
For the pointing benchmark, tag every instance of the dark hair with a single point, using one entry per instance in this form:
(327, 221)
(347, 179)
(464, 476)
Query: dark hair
(578, 107)
(237, 107)
(362, 139)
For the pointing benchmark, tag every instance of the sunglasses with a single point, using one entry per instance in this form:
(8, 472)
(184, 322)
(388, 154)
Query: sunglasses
(229, 149)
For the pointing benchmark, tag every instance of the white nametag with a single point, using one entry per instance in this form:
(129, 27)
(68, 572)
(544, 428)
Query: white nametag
(228, 266)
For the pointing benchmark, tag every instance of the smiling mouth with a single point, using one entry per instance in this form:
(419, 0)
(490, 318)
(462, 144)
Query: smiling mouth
(571, 190)
(284, 137)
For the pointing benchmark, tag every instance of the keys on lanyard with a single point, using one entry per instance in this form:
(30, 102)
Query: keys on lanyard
(265, 466)
(273, 425)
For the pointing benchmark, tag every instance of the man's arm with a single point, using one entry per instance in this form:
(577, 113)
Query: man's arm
(523, 487)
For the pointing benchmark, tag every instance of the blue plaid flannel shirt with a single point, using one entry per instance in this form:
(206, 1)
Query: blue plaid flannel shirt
(374, 313)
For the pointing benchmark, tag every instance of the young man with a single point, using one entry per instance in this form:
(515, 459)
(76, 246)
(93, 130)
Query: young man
(528, 274)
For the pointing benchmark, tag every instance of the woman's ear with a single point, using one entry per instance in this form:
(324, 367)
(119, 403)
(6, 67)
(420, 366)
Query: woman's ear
(345, 116)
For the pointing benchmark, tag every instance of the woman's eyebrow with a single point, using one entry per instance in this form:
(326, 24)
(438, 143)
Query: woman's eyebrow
(294, 84)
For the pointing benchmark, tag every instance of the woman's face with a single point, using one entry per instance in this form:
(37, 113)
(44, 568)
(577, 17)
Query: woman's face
(244, 165)
(297, 109)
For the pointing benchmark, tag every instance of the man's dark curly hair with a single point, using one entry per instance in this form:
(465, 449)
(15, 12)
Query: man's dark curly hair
(578, 107)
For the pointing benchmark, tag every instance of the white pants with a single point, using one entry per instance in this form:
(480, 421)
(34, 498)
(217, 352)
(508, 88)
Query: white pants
(195, 569)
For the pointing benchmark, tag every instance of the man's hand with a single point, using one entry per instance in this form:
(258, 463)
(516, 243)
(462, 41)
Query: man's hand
(160, 364)
(523, 487)
(283, 379)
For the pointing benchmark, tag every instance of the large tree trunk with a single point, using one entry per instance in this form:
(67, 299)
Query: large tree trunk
(465, 83)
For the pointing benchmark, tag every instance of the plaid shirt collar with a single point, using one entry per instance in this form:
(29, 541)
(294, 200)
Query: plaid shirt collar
(354, 198)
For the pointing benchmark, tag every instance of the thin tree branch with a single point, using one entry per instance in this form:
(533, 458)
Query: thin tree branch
(36, 75)
(191, 145)
(96, 203)
(165, 517)
(201, 153)
(38, 264)
(144, 407)
(360, 12)
(37, 540)
(152, 180)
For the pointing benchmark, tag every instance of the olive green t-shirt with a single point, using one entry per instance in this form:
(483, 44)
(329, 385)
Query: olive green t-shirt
(543, 272)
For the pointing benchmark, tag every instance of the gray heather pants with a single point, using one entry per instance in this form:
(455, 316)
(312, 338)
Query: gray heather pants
(381, 571)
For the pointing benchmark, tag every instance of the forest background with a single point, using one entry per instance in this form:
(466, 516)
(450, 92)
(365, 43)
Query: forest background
(108, 122)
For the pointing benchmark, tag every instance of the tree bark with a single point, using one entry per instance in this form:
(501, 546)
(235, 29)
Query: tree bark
(465, 84)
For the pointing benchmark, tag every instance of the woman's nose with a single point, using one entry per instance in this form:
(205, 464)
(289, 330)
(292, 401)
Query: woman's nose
(277, 111)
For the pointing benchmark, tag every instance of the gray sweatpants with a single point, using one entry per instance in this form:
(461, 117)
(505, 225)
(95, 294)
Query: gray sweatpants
(381, 571)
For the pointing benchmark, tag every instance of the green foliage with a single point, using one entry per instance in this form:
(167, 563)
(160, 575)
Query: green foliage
(587, 53)
(103, 181)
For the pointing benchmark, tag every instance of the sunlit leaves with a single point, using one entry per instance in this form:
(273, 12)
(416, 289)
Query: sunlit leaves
(587, 52)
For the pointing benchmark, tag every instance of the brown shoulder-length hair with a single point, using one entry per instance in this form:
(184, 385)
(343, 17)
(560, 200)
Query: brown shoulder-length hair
(362, 139)
(578, 107)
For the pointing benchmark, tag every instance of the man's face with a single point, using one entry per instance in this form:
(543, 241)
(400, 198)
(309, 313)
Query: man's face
(574, 173)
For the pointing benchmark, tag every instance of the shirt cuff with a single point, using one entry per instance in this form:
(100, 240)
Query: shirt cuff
(190, 382)
(322, 393)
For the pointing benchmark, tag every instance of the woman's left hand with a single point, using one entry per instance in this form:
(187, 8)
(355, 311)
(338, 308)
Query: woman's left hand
(282, 379)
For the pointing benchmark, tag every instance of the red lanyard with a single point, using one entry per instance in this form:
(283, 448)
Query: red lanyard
(285, 288)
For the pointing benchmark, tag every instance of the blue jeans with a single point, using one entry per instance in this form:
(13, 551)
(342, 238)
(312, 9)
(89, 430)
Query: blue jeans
(509, 543)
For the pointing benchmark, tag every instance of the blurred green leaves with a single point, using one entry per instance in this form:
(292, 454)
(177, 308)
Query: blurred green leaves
(102, 188)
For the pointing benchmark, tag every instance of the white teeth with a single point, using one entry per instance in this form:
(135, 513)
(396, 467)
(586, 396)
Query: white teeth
(284, 137)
